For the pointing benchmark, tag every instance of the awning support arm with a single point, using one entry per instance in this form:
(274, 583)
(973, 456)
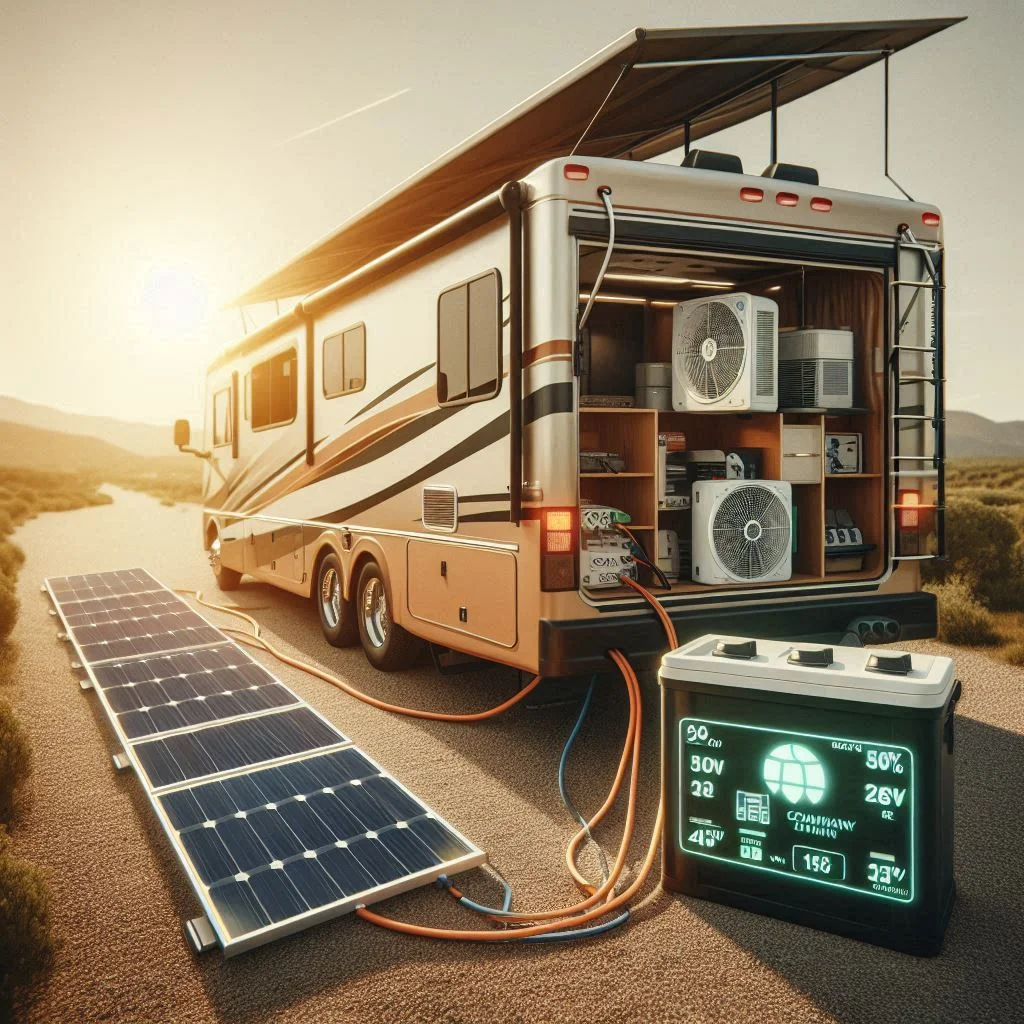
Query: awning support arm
(763, 58)
(623, 71)
(886, 105)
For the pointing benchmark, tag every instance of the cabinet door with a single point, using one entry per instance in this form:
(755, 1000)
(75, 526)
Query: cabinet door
(470, 590)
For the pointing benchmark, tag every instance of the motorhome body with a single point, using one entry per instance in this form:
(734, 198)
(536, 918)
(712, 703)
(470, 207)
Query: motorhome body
(415, 427)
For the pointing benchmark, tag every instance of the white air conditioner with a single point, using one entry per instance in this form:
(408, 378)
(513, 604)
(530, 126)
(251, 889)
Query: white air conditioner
(724, 354)
(742, 531)
(816, 369)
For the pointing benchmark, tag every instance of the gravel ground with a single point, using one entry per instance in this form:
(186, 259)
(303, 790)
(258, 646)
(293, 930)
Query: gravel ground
(120, 896)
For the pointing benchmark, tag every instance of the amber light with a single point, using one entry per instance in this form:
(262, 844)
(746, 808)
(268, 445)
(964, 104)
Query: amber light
(558, 519)
(787, 198)
(752, 195)
(821, 204)
(910, 517)
(559, 549)
(930, 219)
(576, 172)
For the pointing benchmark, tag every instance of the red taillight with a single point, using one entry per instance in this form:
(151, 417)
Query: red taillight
(559, 549)
(821, 204)
(910, 516)
(576, 172)
(930, 219)
(752, 195)
(787, 198)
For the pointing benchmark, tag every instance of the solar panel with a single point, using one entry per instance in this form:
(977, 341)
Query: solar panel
(278, 819)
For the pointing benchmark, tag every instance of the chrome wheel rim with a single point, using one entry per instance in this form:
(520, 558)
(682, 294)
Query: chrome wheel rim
(330, 598)
(375, 612)
(215, 556)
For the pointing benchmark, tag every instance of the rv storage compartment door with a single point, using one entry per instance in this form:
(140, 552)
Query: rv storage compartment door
(276, 550)
(471, 590)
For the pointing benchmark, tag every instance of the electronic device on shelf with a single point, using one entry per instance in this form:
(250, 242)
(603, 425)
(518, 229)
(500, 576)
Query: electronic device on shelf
(816, 369)
(844, 543)
(605, 552)
(607, 401)
(742, 531)
(668, 553)
(725, 354)
(601, 462)
(743, 464)
(843, 453)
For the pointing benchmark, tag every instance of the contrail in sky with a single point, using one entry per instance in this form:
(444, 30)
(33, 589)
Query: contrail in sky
(345, 117)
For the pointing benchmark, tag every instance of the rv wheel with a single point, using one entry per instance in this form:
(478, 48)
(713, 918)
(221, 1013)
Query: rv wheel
(387, 645)
(337, 616)
(227, 579)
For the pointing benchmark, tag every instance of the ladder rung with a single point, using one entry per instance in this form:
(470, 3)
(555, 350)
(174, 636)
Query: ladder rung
(921, 380)
(912, 458)
(913, 416)
(912, 558)
(914, 348)
(917, 473)
(920, 508)
(916, 284)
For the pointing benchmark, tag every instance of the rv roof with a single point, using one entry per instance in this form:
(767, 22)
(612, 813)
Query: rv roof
(656, 81)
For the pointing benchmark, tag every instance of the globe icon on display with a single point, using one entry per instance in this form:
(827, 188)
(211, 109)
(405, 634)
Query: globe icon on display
(793, 771)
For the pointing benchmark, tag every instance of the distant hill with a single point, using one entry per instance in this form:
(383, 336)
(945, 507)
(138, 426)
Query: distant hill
(140, 438)
(969, 435)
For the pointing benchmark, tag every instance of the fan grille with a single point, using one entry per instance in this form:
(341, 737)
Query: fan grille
(751, 531)
(712, 352)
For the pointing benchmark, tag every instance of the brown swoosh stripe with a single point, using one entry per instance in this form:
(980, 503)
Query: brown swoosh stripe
(558, 347)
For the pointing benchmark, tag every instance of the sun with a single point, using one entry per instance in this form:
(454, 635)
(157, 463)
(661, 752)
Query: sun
(174, 299)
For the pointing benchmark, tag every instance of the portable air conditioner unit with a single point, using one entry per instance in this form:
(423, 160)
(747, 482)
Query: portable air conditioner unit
(724, 354)
(816, 369)
(742, 531)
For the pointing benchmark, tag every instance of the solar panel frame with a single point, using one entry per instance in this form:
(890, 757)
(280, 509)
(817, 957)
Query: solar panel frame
(230, 944)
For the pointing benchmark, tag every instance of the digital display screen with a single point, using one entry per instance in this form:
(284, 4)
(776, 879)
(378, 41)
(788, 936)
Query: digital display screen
(827, 810)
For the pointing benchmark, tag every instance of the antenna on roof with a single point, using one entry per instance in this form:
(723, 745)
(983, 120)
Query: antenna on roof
(886, 102)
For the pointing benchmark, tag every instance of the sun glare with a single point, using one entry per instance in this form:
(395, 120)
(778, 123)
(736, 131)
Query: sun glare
(174, 299)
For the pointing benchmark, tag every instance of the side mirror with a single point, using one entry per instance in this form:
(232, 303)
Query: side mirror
(182, 433)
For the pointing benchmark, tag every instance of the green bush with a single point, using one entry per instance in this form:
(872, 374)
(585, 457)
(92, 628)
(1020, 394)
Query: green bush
(963, 619)
(15, 761)
(8, 607)
(27, 942)
(983, 546)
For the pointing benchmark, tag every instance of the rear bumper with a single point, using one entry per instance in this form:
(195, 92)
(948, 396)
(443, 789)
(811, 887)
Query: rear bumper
(577, 646)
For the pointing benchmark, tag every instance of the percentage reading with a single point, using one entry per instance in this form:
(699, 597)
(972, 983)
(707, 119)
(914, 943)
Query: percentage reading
(886, 761)
(886, 874)
(708, 837)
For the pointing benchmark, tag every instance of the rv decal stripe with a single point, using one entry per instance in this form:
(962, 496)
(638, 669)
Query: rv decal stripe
(559, 347)
(268, 480)
(390, 391)
(482, 438)
(486, 517)
(552, 398)
(465, 499)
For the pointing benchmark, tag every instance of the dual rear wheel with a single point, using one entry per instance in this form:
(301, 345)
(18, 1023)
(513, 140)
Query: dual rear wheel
(365, 617)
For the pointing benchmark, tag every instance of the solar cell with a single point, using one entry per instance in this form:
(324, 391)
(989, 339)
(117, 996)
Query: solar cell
(277, 818)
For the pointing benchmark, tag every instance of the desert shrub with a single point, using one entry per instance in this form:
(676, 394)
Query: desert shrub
(8, 607)
(1014, 652)
(963, 619)
(6, 522)
(983, 546)
(11, 559)
(15, 761)
(27, 942)
(1000, 497)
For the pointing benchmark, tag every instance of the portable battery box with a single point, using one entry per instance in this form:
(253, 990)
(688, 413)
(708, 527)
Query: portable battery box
(813, 784)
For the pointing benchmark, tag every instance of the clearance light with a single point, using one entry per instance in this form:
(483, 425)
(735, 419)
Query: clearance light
(576, 172)
(821, 205)
(910, 517)
(559, 549)
(930, 219)
(752, 195)
(787, 198)
(559, 519)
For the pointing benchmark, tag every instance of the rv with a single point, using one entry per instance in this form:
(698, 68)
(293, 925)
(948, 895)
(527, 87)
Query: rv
(545, 340)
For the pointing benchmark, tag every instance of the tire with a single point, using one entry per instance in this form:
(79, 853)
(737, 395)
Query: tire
(227, 579)
(337, 616)
(388, 647)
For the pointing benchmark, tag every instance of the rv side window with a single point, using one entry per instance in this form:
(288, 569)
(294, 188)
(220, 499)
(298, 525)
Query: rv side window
(345, 362)
(274, 387)
(469, 340)
(222, 417)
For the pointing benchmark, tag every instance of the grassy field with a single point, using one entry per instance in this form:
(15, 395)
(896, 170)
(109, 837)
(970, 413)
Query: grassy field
(981, 583)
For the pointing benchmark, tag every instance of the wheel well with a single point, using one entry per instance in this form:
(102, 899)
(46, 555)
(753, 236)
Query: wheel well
(211, 534)
(322, 553)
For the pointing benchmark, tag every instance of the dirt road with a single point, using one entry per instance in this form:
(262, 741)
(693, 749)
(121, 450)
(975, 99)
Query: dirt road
(120, 896)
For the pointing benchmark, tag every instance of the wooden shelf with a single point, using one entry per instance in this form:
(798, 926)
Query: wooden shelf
(586, 410)
(853, 476)
(613, 476)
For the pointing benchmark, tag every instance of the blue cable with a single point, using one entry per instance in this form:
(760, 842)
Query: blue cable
(579, 933)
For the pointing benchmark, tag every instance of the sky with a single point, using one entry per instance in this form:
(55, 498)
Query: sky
(158, 158)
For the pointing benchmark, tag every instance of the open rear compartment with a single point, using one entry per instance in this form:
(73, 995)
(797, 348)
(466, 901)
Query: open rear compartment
(831, 455)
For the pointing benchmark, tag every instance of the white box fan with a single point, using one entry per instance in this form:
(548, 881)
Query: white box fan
(724, 354)
(742, 531)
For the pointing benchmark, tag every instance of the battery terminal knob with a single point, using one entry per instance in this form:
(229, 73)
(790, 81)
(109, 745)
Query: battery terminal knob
(891, 664)
(742, 649)
(817, 658)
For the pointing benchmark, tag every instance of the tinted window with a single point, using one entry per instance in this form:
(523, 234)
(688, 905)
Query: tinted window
(345, 362)
(222, 417)
(469, 340)
(274, 387)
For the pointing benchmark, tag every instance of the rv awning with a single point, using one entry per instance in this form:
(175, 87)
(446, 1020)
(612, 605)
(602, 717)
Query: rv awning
(655, 82)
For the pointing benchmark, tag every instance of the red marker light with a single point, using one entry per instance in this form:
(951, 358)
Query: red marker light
(787, 198)
(930, 219)
(576, 172)
(821, 205)
(751, 195)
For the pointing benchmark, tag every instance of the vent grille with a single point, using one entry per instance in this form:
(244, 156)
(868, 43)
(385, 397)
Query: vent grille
(440, 507)
(765, 348)
(798, 383)
(835, 377)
